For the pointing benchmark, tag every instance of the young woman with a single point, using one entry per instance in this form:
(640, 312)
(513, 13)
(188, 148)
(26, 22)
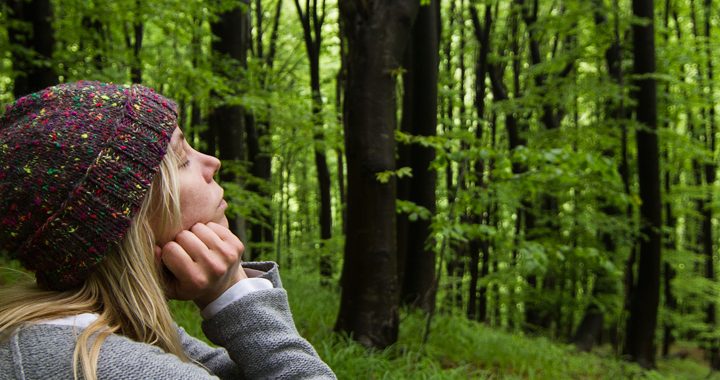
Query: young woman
(104, 200)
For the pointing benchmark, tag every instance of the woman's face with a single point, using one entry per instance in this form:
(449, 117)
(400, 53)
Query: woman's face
(201, 198)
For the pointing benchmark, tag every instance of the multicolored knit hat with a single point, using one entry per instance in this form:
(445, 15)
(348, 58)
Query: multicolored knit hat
(76, 162)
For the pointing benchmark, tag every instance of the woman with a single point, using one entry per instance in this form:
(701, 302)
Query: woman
(104, 200)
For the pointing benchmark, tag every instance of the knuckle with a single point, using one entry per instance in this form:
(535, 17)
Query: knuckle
(184, 234)
(229, 254)
(217, 269)
(198, 283)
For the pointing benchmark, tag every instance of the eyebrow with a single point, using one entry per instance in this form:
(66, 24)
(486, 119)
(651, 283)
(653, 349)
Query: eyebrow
(177, 145)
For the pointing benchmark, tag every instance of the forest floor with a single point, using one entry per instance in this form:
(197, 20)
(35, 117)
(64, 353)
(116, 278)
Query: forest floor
(458, 348)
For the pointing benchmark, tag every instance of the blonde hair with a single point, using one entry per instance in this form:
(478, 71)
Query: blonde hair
(126, 290)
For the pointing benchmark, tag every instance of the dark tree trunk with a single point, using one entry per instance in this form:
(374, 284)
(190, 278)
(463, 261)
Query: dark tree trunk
(670, 221)
(261, 233)
(644, 307)
(377, 34)
(205, 135)
(420, 115)
(35, 65)
(228, 121)
(589, 328)
(710, 171)
(402, 223)
(135, 44)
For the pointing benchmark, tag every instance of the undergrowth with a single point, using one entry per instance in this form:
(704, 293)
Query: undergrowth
(457, 348)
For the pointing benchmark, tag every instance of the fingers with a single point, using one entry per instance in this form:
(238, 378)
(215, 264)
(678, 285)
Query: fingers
(204, 261)
(226, 236)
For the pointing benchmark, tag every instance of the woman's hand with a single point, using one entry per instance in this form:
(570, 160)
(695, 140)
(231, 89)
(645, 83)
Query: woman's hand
(204, 261)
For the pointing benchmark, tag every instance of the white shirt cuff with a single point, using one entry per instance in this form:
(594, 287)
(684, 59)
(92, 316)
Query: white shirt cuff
(234, 293)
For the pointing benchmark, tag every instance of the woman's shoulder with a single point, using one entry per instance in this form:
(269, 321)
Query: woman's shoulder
(46, 350)
(40, 351)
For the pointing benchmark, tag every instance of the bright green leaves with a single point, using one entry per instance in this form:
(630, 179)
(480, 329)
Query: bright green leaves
(384, 177)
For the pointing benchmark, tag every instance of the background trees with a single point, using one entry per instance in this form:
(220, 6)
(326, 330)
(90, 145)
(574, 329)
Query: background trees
(535, 116)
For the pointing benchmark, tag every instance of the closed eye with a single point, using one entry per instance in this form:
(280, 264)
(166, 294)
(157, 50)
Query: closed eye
(186, 163)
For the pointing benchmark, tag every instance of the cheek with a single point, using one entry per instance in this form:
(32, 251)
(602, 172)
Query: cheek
(194, 206)
(189, 209)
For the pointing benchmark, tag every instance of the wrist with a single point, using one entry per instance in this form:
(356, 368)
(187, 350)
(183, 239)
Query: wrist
(204, 301)
(234, 294)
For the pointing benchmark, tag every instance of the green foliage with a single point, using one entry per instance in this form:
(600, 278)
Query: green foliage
(384, 177)
(567, 180)
(459, 349)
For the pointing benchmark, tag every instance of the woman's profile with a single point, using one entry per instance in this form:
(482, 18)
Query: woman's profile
(104, 200)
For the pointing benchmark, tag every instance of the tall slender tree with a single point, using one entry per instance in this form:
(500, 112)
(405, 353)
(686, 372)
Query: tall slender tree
(420, 118)
(312, 20)
(707, 212)
(641, 324)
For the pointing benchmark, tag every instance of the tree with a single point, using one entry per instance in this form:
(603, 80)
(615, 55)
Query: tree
(135, 43)
(227, 120)
(419, 118)
(32, 42)
(312, 22)
(377, 34)
(258, 132)
(644, 304)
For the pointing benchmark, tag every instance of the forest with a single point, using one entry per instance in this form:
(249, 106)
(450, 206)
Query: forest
(456, 188)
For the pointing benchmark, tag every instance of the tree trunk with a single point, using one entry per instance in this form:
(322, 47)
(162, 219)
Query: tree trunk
(228, 121)
(135, 44)
(644, 308)
(35, 65)
(670, 221)
(710, 171)
(420, 113)
(377, 34)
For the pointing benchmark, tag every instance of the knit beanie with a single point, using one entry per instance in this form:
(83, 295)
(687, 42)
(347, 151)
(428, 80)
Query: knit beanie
(76, 162)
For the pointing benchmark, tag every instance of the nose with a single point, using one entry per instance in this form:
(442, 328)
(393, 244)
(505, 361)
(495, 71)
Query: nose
(212, 165)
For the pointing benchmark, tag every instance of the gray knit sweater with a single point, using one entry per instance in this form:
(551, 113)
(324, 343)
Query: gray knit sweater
(257, 332)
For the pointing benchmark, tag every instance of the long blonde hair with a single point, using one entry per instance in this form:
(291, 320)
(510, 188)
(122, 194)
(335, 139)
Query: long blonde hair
(126, 290)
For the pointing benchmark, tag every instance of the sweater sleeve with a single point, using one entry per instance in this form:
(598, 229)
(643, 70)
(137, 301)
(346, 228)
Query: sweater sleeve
(259, 335)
